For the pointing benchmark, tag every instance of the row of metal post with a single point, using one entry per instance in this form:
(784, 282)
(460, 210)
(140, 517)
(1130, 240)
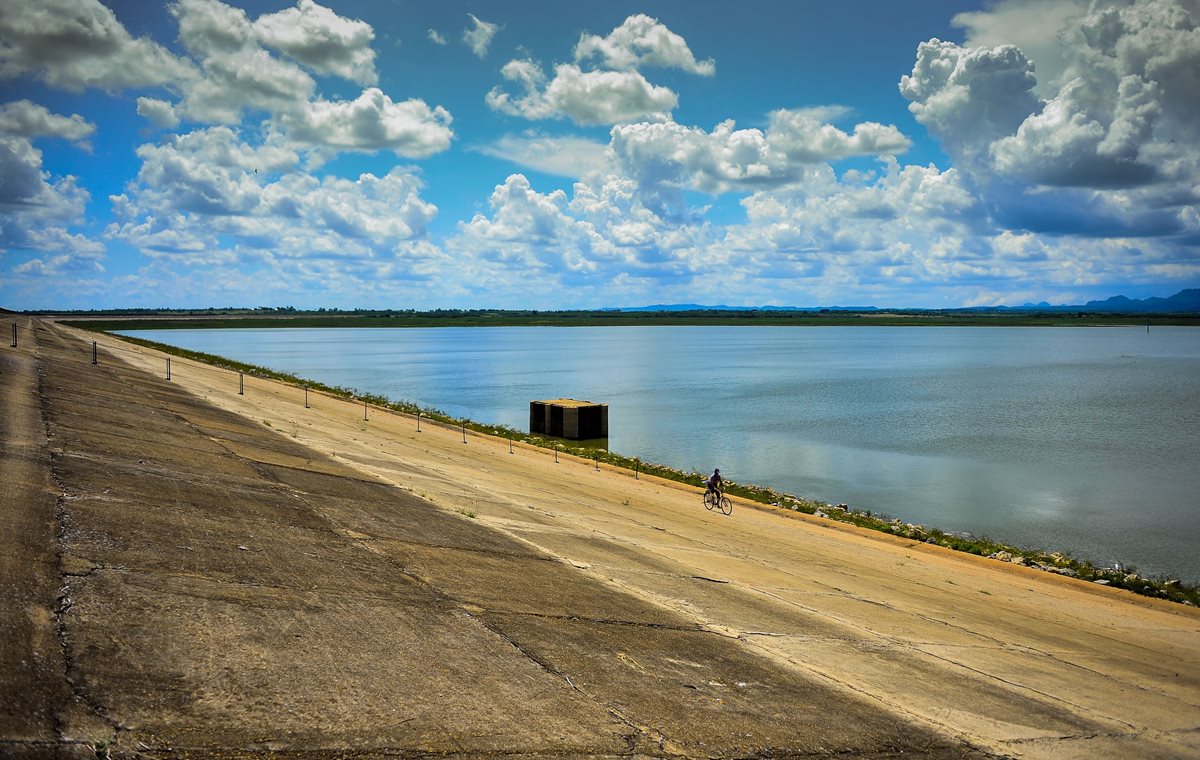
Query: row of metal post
(242, 392)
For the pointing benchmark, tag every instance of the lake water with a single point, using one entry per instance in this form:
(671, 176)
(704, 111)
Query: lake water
(1078, 439)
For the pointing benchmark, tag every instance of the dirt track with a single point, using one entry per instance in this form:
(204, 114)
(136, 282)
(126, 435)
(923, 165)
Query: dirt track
(228, 575)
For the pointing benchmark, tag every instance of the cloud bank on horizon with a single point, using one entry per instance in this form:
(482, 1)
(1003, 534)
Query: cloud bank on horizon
(215, 153)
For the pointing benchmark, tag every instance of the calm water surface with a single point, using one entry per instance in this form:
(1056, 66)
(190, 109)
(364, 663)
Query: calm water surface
(1078, 439)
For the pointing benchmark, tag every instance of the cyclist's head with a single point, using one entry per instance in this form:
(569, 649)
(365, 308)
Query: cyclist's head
(717, 471)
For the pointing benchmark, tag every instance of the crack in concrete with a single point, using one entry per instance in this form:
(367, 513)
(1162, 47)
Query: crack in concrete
(890, 642)
(72, 667)
(49, 744)
(1082, 709)
(637, 731)
(323, 753)
(696, 628)
(850, 595)
(462, 606)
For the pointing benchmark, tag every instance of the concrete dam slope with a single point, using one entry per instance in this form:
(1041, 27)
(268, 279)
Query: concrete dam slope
(206, 568)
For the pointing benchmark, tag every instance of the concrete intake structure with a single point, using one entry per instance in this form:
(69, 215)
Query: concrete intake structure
(568, 418)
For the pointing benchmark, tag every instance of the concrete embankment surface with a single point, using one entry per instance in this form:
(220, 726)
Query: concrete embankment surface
(205, 572)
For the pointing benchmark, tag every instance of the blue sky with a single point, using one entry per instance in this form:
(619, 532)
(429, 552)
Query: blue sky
(576, 155)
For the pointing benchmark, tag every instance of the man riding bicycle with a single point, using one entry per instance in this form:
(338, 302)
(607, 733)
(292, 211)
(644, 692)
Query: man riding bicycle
(713, 498)
(714, 482)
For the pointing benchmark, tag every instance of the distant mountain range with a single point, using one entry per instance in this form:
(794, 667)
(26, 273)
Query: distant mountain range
(1185, 301)
(723, 307)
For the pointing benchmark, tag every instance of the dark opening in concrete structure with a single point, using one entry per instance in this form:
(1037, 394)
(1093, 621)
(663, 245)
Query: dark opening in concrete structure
(568, 418)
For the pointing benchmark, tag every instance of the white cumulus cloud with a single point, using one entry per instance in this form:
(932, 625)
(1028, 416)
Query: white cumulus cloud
(77, 44)
(641, 41)
(1106, 146)
(24, 118)
(238, 74)
(794, 150)
(970, 97)
(372, 122)
(26, 190)
(159, 112)
(1034, 26)
(241, 79)
(58, 266)
(37, 209)
(806, 136)
(210, 184)
(599, 242)
(585, 97)
(909, 229)
(322, 40)
(1073, 142)
(615, 91)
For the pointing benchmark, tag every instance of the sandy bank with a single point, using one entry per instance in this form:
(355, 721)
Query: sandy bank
(848, 637)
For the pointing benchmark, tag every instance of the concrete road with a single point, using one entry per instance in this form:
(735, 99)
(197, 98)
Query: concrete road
(208, 573)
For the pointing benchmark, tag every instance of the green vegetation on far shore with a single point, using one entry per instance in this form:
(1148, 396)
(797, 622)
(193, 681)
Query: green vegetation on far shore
(1124, 577)
(287, 317)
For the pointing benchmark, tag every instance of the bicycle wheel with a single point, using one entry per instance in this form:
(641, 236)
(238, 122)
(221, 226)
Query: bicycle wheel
(726, 505)
(710, 500)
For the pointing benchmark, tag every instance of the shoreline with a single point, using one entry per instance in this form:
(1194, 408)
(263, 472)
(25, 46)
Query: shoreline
(102, 322)
(1119, 576)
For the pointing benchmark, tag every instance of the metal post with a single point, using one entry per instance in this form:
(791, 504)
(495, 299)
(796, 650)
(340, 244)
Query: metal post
(168, 369)
(418, 421)
(14, 335)
(241, 384)
(364, 410)
(637, 465)
(464, 431)
(93, 352)
(556, 453)
(306, 397)
(510, 443)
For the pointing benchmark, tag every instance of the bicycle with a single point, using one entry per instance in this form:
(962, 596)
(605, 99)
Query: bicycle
(717, 500)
